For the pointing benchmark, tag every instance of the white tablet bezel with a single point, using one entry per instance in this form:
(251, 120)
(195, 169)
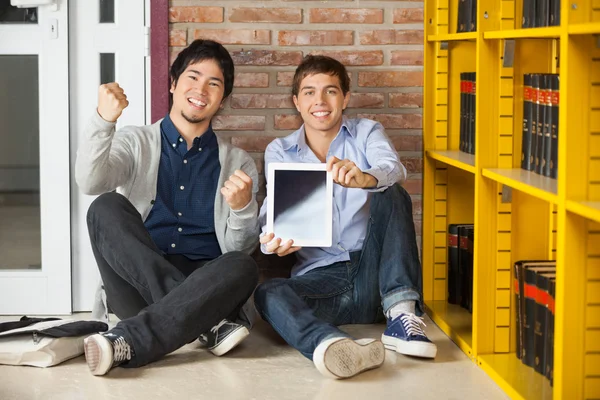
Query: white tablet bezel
(329, 206)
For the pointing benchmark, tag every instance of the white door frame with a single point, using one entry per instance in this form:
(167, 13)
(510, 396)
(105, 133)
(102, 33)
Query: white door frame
(128, 39)
(46, 290)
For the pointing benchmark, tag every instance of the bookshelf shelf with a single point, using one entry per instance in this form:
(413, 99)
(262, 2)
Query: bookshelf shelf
(530, 33)
(542, 218)
(455, 321)
(517, 380)
(450, 37)
(586, 209)
(585, 29)
(458, 159)
(529, 182)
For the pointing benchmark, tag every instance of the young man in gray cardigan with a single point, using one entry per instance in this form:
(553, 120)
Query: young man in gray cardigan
(173, 243)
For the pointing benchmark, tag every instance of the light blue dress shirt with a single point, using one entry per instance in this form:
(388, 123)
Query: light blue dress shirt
(362, 141)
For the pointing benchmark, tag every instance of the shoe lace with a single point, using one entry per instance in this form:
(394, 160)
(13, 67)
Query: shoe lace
(121, 350)
(412, 324)
(216, 328)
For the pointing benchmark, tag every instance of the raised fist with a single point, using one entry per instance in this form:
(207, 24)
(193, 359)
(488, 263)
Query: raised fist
(111, 101)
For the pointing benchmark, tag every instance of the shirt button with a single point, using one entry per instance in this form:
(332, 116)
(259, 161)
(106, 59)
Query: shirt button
(181, 187)
(199, 148)
(179, 214)
(180, 139)
(173, 245)
(185, 161)
(174, 145)
(179, 229)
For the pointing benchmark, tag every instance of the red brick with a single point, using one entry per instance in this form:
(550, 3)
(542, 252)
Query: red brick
(196, 14)
(266, 57)
(406, 100)
(346, 16)
(354, 58)
(251, 80)
(414, 165)
(177, 37)
(276, 15)
(262, 101)
(391, 36)
(239, 123)
(417, 202)
(366, 100)
(315, 38)
(235, 36)
(390, 79)
(407, 142)
(288, 122)
(413, 186)
(408, 15)
(397, 121)
(407, 57)
(285, 78)
(252, 143)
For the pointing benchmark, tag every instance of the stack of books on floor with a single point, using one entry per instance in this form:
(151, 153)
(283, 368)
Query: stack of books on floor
(535, 288)
(460, 265)
(467, 112)
(467, 16)
(541, 96)
(540, 13)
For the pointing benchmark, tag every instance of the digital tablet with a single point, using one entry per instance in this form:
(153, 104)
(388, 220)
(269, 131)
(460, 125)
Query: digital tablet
(300, 199)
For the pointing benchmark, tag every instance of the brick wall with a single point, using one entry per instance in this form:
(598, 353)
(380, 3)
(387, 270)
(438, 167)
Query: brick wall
(380, 42)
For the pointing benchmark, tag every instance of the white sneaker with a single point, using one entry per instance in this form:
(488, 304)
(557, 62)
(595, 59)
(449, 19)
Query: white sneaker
(341, 357)
(105, 351)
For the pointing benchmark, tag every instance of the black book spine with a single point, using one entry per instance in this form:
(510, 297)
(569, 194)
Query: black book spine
(541, 98)
(453, 258)
(555, 100)
(474, 17)
(527, 114)
(547, 151)
(467, 110)
(471, 240)
(467, 14)
(555, 12)
(463, 246)
(526, 21)
(535, 109)
(549, 356)
(543, 13)
(529, 295)
(473, 105)
(463, 110)
(541, 305)
(518, 282)
(461, 25)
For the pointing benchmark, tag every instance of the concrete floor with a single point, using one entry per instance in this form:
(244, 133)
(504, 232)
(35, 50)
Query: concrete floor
(262, 367)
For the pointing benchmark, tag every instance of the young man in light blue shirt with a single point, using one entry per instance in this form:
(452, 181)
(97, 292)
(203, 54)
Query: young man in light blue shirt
(373, 268)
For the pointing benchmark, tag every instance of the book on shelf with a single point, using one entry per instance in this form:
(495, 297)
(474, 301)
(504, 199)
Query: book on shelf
(534, 297)
(467, 16)
(540, 13)
(467, 112)
(539, 150)
(460, 265)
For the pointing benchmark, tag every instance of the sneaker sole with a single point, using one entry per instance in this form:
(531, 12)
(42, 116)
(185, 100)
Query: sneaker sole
(231, 341)
(342, 358)
(98, 354)
(417, 349)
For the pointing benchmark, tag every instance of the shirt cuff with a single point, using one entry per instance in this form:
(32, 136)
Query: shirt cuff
(382, 180)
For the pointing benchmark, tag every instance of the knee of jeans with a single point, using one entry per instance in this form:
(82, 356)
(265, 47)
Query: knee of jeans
(268, 287)
(103, 207)
(395, 194)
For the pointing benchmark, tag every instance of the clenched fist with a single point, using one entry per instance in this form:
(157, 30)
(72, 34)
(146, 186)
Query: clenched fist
(237, 190)
(111, 101)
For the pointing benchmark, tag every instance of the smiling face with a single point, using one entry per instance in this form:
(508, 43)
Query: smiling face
(321, 102)
(198, 93)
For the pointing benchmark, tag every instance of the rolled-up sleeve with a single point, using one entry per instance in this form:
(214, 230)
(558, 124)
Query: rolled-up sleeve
(385, 163)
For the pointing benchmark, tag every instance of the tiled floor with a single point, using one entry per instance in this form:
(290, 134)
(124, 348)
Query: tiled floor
(263, 367)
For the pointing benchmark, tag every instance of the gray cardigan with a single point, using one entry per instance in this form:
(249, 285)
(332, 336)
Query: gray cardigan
(127, 160)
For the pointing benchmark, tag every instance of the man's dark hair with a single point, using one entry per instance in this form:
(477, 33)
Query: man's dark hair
(312, 65)
(200, 50)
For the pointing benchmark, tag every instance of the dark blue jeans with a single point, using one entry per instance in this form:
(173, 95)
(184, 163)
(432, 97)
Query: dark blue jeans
(306, 309)
(163, 302)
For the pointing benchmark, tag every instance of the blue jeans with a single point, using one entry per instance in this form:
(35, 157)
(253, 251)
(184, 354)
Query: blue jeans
(306, 309)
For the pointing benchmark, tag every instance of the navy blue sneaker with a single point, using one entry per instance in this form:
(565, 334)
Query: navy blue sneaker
(223, 337)
(405, 335)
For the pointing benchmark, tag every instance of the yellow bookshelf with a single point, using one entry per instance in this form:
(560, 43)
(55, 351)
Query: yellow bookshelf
(517, 214)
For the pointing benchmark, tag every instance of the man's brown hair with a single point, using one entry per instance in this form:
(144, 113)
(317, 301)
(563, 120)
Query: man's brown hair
(312, 65)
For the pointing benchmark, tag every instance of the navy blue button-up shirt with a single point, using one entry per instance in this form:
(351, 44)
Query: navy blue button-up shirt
(182, 220)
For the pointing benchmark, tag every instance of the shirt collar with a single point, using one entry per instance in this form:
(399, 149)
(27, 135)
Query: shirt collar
(297, 139)
(174, 137)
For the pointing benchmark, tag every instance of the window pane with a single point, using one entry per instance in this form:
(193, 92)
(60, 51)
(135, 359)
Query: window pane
(20, 235)
(107, 11)
(107, 67)
(13, 15)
